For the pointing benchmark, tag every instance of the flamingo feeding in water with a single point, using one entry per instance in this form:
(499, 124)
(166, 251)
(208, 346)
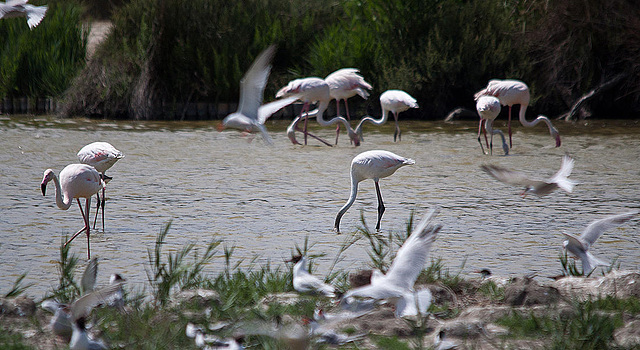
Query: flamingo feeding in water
(488, 108)
(394, 101)
(251, 114)
(344, 84)
(513, 92)
(20, 8)
(310, 90)
(373, 165)
(101, 156)
(76, 181)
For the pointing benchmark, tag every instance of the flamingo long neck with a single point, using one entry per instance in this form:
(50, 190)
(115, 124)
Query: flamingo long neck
(62, 201)
(523, 120)
(352, 196)
(382, 120)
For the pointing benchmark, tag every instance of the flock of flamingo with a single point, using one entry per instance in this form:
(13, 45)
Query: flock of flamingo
(88, 178)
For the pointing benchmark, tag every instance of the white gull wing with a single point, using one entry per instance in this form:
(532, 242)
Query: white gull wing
(509, 176)
(89, 276)
(268, 109)
(561, 177)
(412, 256)
(35, 14)
(253, 83)
(596, 228)
(83, 306)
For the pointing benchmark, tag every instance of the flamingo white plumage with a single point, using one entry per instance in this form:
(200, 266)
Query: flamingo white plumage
(310, 90)
(344, 84)
(579, 246)
(375, 165)
(397, 284)
(394, 101)
(76, 181)
(305, 282)
(20, 8)
(513, 92)
(537, 187)
(251, 114)
(102, 156)
(488, 108)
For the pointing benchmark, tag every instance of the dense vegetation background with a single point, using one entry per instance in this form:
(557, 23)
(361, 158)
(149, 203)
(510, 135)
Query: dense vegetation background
(165, 52)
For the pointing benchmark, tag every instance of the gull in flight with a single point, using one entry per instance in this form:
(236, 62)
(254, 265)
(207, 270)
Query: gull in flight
(251, 114)
(304, 282)
(20, 8)
(538, 187)
(579, 246)
(396, 285)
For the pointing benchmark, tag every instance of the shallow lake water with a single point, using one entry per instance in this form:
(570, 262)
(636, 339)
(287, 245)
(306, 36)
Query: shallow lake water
(266, 200)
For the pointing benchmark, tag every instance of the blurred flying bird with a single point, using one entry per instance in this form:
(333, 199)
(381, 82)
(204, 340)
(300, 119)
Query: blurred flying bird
(538, 187)
(20, 8)
(305, 282)
(579, 246)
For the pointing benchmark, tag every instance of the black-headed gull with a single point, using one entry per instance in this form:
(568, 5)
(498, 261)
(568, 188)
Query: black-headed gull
(305, 282)
(579, 246)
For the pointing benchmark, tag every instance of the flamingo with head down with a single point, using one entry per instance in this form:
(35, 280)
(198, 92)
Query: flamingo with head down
(344, 84)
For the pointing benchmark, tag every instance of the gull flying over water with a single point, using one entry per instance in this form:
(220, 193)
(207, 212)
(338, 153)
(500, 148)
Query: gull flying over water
(538, 187)
(579, 246)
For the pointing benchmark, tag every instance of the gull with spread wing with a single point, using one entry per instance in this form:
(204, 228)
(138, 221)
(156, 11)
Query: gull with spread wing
(304, 282)
(396, 285)
(538, 187)
(579, 246)
(251, 114)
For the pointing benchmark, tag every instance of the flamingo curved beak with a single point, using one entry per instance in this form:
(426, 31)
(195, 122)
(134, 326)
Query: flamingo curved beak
(558, 142)
(43, 188)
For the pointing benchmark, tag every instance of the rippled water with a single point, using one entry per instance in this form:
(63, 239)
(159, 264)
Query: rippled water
(265, 200)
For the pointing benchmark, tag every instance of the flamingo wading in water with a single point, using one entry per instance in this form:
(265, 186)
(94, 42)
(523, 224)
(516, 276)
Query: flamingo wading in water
(344, 84)
(488, 108)
(394, 101)
(101, 156)
(75, 181)
(513, 92)
(373, 165)
(311, 90)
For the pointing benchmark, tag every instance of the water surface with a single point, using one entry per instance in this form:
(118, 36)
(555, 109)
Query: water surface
(264, 200)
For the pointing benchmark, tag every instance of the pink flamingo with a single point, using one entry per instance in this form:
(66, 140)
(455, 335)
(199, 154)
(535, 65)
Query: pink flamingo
(513, 92)
(373, 165)
(310, 90)
(488, 108)
(394, 101)
(102, 156)
(76, 181)
(344, 84)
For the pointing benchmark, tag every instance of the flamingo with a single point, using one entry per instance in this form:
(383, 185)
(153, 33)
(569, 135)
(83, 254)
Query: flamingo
(20, 8)
(513, 92)
(310, 90)
(101, 156)
(373, 165)
(76, 181)
(344, 84)
(488, 108)
(251, 115)
(538, 187)
(579, 246)
(394, 101)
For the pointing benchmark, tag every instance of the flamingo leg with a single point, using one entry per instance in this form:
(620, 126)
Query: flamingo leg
(397, 133)
(480, 132)
(85, 218)
(337, 114)
(346, 106)
(316, 137)
(510, 142)
(95, 219)
(380, 206)
(305, 108)
(87, 207)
